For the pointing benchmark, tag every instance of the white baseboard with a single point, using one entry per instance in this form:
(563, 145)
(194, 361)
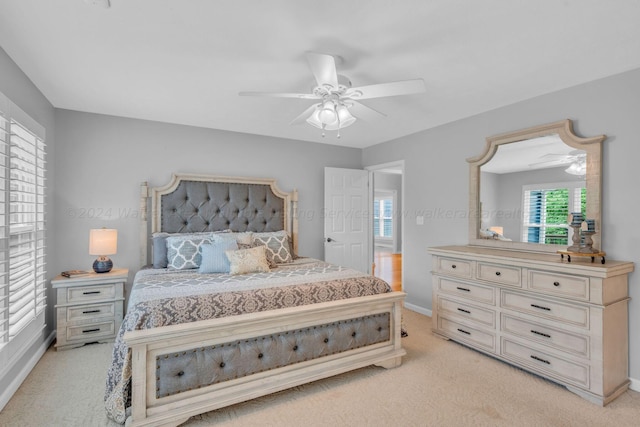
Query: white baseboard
(418, 309)
(6, 395)
(635, 384)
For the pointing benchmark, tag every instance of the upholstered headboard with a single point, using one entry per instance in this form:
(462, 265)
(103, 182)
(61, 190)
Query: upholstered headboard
(194, 203)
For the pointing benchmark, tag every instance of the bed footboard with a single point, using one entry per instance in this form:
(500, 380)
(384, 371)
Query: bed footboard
(188, 369)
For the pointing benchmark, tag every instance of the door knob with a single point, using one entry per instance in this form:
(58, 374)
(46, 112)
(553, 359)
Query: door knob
(329, 239)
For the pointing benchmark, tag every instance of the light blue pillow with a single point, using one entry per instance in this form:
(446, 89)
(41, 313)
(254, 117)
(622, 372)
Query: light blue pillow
(214, 260)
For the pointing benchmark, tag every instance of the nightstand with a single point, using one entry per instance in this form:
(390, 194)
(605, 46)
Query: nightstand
(90, 307)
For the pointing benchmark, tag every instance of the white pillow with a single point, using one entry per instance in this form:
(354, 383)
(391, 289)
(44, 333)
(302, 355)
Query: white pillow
(252, 260)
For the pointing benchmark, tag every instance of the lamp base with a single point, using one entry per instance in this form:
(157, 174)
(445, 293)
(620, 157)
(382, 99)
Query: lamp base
(102, 265)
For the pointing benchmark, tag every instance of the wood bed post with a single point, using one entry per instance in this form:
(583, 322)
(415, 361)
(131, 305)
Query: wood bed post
(294, 219)
(144, 243)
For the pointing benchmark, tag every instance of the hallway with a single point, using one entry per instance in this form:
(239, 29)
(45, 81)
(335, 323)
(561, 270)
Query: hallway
(388, 266)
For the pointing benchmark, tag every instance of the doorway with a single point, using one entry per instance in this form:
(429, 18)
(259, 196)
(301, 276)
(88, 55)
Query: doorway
(387, 222)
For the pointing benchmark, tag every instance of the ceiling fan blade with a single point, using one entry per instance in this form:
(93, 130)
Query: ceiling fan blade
(304, 116)
(363, 112)
(323, 67)
(281, 95)
(404, 87)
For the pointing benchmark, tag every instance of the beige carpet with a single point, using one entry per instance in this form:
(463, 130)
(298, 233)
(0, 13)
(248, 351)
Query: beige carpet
(439, 384)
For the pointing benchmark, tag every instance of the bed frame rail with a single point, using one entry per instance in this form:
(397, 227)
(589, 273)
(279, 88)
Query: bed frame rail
(147, 345)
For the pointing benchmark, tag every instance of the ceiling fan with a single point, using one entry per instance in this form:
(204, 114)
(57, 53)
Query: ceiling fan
(339, 104)
(577, 160)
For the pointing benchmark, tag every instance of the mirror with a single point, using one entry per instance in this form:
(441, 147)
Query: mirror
(524, 184)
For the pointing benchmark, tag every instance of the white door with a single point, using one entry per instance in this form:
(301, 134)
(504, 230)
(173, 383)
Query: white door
(346, 218)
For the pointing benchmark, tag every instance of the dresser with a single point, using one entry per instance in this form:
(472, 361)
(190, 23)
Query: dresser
(90, 307)
(567, 322)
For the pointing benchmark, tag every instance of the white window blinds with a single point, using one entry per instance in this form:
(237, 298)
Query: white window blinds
(22, 225)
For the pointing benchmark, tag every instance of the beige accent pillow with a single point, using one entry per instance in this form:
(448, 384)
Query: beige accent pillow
(252, 260)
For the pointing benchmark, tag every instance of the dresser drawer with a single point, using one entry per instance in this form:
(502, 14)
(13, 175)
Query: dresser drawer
(467, 311)
(562, 340)
(453, 266)
(485, 294)
(565, 370)
(501, 274)
(91, 331)
(563, 312)
(84, 312)
(81, 294)
(559, 284)
(476, 337)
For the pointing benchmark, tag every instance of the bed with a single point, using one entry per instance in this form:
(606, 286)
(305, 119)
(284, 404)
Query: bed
(197, 338)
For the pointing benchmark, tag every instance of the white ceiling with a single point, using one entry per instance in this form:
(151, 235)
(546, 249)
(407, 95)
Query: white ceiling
(184, 61)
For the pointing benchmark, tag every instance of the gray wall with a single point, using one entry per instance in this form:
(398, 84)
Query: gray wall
(436, 176)
(101, 161)
(19, 89)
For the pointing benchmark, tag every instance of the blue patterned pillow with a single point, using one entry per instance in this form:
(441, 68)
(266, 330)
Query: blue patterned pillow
(214, 259)
(184, 253)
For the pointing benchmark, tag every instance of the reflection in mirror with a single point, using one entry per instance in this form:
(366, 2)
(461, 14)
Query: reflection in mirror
(528, 189)
(525, 183)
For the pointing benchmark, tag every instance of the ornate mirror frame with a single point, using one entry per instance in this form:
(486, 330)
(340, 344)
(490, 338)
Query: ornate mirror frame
(592, 146)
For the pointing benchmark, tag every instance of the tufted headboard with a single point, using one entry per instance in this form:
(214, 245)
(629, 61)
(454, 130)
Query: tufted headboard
(193, 203)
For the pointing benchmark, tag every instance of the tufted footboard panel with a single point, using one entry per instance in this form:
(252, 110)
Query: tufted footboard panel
(204, 366)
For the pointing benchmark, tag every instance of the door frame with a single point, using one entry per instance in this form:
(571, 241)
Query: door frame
(398, 164)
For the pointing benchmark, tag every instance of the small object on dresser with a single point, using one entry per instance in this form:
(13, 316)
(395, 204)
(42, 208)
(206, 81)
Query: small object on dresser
(74, 273)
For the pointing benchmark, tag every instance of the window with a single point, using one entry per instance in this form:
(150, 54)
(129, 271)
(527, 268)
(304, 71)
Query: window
(546, 208)
(383, 217)
(22, 229)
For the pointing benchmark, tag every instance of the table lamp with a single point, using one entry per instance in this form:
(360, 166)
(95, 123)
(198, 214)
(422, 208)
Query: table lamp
(103, 242)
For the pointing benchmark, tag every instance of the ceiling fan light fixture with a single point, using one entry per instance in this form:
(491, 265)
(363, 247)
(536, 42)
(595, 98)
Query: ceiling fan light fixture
(328, 114)
(577, 168)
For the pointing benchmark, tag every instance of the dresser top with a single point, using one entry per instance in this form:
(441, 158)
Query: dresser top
(578, 265)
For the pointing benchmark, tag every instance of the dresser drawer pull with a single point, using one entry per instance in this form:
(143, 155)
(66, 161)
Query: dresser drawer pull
(464, 311)
(86, 331)
(540, 307)
(91, 292)
(464, 332)
(497, 273)
(90, 311)
(540, 359)
(453, 266)
(556, 283)
(540, 333)
(463, 289)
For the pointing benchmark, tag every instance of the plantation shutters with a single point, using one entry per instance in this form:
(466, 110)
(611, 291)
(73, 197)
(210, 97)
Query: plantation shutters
(22, 228)
(546, 208)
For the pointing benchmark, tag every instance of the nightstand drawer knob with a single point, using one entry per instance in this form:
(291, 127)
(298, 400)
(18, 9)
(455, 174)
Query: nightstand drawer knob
(91, 292)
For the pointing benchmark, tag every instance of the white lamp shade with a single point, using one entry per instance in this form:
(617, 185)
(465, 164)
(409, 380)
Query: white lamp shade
(103, 241)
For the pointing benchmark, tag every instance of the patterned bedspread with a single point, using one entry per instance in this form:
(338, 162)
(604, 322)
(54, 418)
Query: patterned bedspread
(160, 297)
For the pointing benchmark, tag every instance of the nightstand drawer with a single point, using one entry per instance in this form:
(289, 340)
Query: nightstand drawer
(559, 284)
(501, 274)
(93, 311)
(91, 330)
(82, 294)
